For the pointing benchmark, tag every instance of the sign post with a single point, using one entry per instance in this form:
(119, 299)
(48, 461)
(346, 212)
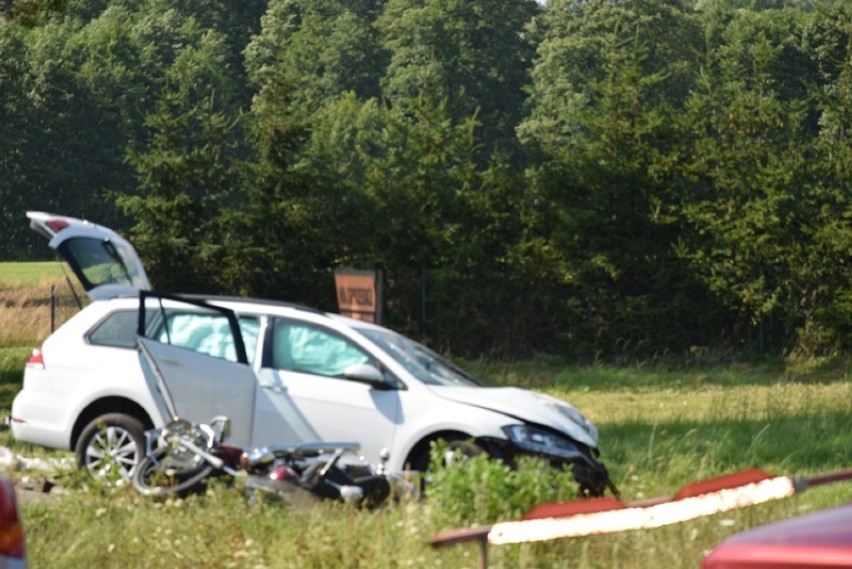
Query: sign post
(359, 294)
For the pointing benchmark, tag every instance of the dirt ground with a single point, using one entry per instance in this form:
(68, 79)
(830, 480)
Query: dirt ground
(35, 490)
(33, 477)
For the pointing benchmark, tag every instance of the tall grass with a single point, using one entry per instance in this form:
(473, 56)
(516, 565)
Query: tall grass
(12, 361)
(29, 312)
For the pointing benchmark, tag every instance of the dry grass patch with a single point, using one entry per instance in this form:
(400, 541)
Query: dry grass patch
(28, 312)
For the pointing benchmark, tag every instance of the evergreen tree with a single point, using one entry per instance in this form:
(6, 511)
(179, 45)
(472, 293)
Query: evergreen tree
(15, 115)
(756, 202)
(608, 79)
(474, 54)
(189, 175)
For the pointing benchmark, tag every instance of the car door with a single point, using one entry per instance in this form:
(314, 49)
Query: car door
(306, 363)
(277, 418)
(105, 263)
(200, 367)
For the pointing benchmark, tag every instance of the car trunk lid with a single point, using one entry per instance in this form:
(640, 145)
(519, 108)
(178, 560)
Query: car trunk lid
(105, 263)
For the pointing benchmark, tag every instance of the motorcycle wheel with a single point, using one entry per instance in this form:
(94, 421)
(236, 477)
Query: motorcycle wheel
(156, 476)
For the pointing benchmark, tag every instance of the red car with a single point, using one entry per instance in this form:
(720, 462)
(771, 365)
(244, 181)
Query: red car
(12, 546)
(821, 539)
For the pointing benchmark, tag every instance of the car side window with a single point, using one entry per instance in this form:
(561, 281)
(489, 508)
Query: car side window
(117, 330)
(309, 349)
(207, 333)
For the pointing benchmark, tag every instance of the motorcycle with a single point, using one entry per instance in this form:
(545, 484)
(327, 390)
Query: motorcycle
(182, 456)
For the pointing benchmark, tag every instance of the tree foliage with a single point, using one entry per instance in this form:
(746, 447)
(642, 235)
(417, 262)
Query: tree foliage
(592, 178)
(758, 200)
(608, 81)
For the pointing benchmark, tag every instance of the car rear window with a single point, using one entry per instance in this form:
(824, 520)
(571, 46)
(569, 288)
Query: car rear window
(101, 261)
(117, 330)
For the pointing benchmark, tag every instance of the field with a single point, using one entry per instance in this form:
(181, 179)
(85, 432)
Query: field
(661, 426)
(35, 298)
(12, 274)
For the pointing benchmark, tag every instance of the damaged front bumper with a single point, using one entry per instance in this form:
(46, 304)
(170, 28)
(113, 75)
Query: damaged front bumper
(560, 451)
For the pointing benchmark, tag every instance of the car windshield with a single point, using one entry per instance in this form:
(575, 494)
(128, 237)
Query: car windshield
(420, 361)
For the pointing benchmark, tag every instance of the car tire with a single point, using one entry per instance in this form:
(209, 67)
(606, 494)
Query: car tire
(111, 446)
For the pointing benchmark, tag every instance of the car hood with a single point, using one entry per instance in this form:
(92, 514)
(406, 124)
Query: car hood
(527, 406)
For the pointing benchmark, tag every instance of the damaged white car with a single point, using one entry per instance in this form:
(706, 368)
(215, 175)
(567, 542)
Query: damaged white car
(289, 374)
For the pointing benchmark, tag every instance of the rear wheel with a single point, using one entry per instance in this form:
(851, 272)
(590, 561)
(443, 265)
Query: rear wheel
(110, 447)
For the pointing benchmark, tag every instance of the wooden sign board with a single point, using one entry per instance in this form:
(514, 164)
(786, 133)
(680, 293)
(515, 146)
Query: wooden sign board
(359, 294)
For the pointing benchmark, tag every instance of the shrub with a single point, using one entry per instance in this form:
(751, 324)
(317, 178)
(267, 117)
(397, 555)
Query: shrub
(480, 490)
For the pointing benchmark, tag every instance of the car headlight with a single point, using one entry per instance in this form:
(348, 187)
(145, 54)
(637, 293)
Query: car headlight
(540, 441)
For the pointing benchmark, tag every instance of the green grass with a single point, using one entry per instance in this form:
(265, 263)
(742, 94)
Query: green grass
(669, 372)
(12, 361)
(30, 273)
(659, 430)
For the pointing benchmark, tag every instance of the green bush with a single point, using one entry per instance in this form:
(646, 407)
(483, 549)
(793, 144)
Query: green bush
(479, 490)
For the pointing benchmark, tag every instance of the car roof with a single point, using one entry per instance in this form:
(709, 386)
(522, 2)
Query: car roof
(268, 303)
(227, 299)
(252, 300)
(258, 306)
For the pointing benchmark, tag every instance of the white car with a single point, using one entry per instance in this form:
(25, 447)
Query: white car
(282, 373)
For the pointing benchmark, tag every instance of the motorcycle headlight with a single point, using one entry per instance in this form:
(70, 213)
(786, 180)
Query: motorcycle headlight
(540, 441)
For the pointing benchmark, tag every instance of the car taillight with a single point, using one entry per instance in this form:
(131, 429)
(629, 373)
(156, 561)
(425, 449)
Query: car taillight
(11, 531)
(36, 360)
(57, 224)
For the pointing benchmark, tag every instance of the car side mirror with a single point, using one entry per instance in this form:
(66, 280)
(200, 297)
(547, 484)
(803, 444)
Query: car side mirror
(369, 374)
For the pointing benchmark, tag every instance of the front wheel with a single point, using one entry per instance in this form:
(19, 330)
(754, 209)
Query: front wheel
(456, 446)
(158, 475)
